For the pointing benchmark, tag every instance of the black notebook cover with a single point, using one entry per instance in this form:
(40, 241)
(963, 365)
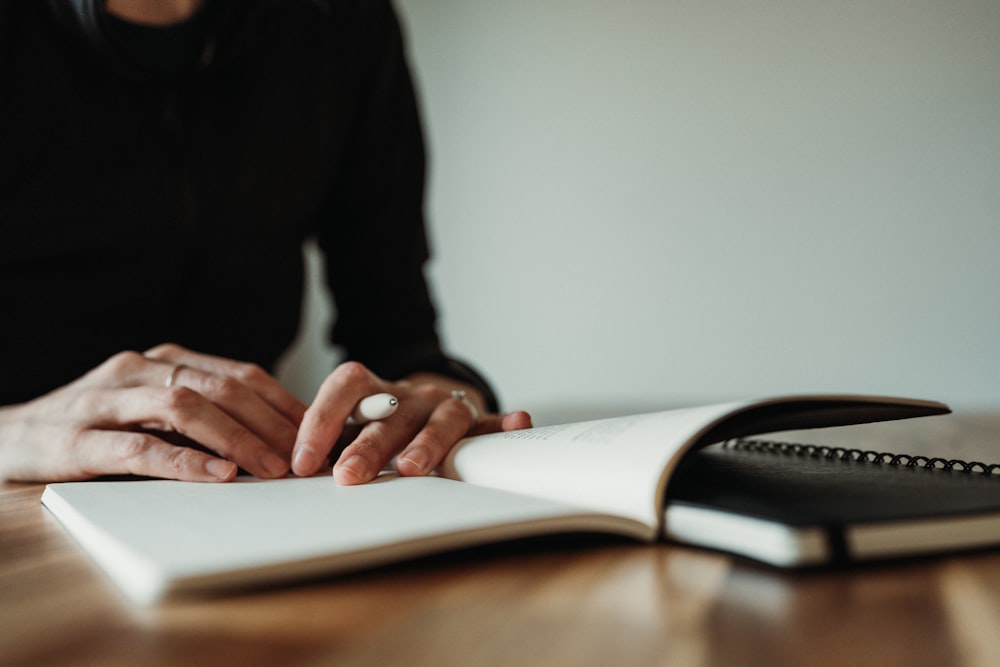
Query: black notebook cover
(796, 509)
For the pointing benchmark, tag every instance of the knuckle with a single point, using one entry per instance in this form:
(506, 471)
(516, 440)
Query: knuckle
(366, 449)
(223, 387)
(427, 439)
(250, 373)
(123, 362)
(163, 351)
(134, 446)
(182, 460)
(351, 372)
(180, 400)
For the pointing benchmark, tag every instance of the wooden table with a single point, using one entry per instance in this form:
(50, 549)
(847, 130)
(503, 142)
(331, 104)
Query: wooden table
(571, 601)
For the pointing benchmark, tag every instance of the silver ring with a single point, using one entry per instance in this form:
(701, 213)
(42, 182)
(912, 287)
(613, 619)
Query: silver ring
(172, 378)
(459, 395)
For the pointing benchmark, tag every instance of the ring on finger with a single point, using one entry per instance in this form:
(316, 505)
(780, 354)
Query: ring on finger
(172, 378)
(459, 395)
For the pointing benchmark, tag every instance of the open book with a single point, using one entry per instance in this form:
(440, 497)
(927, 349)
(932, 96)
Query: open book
(612, 476)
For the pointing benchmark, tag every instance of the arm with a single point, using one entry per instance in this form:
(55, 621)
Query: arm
(375, 243)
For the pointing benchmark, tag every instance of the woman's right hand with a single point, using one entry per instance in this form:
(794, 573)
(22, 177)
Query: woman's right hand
(120, 418)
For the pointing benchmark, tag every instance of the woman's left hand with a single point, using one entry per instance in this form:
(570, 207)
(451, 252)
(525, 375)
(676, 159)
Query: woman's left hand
(429, 421)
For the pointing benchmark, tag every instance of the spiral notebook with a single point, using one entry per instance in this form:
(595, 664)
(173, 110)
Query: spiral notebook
(795, 505)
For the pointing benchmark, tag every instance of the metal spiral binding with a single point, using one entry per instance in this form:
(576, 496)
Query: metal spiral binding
(877, 458)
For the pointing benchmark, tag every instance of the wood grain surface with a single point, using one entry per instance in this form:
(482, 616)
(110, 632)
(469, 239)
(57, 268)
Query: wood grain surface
(574, 600)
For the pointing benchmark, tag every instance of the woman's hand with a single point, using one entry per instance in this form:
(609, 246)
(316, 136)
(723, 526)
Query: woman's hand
(427, 424)
(178, 414)
(122, 416)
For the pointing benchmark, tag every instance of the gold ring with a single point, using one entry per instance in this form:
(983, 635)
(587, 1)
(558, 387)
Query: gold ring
(172, 378)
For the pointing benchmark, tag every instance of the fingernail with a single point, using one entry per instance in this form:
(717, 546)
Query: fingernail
(304, 463)
(352, 471)
(416, 459)
(273, 464)
(220, 469)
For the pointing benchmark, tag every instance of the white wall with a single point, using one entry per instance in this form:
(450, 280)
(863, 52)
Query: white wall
(642, 202)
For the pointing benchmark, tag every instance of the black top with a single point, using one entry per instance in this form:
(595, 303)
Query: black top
(137, 208)
(164, 52)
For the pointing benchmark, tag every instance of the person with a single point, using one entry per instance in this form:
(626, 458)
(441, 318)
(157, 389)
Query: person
(163, 162)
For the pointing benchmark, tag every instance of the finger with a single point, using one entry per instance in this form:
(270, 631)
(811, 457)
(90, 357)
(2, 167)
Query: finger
(186, 412)
(244, 405)
(515, 421)
(512, 421)
(325, 418)
(448, 424)
(431, 424)
(117, 452)
(251, 375)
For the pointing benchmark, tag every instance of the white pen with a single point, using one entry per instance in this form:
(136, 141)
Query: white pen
(372, 408)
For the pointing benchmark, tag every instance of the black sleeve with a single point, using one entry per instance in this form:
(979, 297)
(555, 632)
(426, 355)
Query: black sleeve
(374, 238)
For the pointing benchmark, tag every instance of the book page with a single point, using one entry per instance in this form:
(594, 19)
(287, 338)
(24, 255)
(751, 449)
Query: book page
(155, 537)
(613, 465)
(621, 466)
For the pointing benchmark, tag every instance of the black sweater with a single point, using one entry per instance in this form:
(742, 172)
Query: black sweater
(136, 210)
